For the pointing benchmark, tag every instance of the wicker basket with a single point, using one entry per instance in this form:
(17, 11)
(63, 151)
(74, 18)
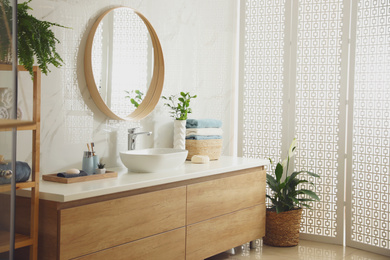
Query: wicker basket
(282, 229)
(210, 147)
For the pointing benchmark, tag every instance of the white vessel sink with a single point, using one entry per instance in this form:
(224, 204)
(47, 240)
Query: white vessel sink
(153, 159)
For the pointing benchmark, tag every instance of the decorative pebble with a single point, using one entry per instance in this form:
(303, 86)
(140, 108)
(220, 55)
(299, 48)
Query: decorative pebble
(73, 171)
(200, 159)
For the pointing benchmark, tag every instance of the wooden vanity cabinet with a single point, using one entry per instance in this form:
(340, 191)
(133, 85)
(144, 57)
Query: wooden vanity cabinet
(97, 226)
(80, 228)
(191, 219)
(217, 197)
(205, 239)
(225, 213)
(168, 245)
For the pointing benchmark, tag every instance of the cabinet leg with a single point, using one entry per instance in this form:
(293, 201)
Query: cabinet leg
(231, 251)
(246, 248)
(256, 243)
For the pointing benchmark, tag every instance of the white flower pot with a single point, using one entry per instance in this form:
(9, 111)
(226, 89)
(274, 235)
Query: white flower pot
(179, 134)
(100, 171)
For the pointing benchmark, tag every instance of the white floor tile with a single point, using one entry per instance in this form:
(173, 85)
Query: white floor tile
(306, 250)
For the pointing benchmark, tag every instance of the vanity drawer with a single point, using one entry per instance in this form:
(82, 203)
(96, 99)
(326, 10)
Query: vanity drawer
(102, 225)
(219, 234)
(168, 245)
(209, 199)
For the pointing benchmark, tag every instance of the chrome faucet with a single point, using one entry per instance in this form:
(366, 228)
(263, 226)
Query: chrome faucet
(133, 135)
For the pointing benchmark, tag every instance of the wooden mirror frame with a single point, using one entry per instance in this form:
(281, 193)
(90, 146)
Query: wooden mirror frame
(153, 93)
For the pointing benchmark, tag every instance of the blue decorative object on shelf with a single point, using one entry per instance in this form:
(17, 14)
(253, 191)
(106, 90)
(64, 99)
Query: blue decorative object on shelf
(22, 170)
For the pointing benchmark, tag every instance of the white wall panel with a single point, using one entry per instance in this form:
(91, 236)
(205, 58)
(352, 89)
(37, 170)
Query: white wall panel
(198, 39)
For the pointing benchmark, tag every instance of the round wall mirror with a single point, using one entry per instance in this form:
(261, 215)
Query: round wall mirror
(124, 64)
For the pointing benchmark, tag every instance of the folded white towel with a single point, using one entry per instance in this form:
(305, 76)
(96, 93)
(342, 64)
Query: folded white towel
(203, 131)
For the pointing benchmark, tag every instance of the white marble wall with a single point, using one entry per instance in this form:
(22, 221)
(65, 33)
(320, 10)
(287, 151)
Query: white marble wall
(198, 38)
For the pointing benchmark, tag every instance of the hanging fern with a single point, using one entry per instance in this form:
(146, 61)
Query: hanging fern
(5, 32)
(35, 40)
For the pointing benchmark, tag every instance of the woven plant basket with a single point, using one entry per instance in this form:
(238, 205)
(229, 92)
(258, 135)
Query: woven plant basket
(282, 229)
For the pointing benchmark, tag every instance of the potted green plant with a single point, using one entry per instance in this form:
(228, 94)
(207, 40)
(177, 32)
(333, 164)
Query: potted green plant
(35, 39)
(180, 108)
(100, 168)
(283, 218)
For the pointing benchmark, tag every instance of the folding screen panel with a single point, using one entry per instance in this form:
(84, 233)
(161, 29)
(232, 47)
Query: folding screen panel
(319, 116)
(263, 70)
(368, 196)
(291, 88)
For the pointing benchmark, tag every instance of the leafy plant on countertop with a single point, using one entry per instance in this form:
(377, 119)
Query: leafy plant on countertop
(101, 165)
(35, 39)
(180, 106)
(286, 193)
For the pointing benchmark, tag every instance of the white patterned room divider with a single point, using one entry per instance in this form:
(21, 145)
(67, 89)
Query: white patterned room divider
(298, 79)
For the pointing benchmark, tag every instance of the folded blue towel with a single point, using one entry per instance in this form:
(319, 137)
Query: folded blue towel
(71, 175)
(22, 170)
(203, 123)
(203, 137)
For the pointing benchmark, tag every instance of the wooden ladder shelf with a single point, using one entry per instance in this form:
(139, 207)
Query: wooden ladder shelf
(27, 240)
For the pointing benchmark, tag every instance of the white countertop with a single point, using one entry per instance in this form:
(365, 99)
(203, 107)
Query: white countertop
(130, 181)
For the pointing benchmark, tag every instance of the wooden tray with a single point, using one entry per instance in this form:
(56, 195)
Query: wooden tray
(53, 177)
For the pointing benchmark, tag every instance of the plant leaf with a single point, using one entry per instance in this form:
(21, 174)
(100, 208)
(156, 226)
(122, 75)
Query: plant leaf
(305, 199)
(279, 209)
(309, 193)
(296, 201)
(278, 172)
(272, 183)
(313, 174)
